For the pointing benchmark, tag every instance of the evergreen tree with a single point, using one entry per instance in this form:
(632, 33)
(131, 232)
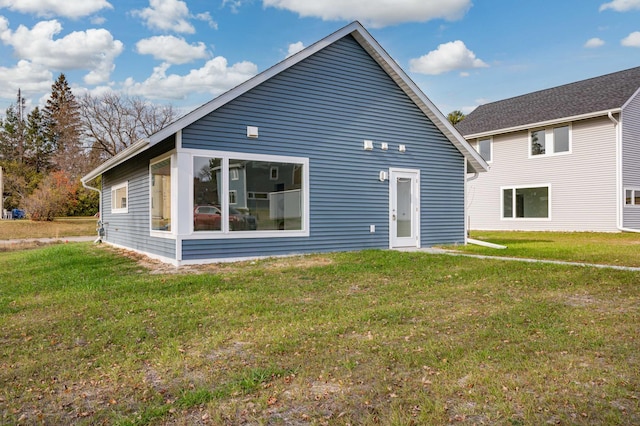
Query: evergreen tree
(38, 147)
(64, 129)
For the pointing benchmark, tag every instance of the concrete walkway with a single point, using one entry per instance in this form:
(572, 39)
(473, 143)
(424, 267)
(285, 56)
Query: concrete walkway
(48, 240)
(520, 259)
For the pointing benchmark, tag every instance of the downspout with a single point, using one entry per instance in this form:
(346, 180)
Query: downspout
(467, 201)
(619, 188)
(100, 226)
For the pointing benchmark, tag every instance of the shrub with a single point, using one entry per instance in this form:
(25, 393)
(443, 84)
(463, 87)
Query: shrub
(55, 196)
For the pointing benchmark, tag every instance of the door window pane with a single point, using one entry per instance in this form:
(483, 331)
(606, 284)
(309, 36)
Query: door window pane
(403, 207)
(161, 195)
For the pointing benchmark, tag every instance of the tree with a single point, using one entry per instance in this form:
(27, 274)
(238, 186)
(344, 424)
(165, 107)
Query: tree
(54, 196)
(115, 122)
(64, 129)
(38, 148)
(455, 117)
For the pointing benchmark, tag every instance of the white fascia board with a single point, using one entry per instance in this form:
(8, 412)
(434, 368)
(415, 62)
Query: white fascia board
(542, 124)
(392, 68)
(121, 157)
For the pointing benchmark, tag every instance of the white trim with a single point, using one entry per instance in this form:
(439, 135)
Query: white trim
(121, 157)
(513, 205)
(416, 206)
(114, 189)
(634, 190)
(225, 232)
(550, 141)
(171, 233)
(539, 124)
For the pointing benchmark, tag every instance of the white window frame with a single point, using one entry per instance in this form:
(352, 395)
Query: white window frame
(513, 201)
(634, 191)
(114, 189)
(549, 141)
(272, 175)
(225, 233)
(233, 197)
(490, 139)
(174, 184)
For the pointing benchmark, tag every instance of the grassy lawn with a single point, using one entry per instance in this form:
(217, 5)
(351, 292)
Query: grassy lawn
(589, 247)
(59, 228)
(373, 337)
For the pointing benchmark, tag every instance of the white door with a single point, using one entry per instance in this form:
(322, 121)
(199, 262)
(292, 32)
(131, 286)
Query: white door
(404, 208)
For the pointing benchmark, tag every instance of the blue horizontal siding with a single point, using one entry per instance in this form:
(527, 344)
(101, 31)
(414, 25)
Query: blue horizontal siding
(323, 108)
(132, 229)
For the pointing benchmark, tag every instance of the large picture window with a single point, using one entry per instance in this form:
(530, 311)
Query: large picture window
(525, 203)
(119, 198)
(161, 195)
(234, 194)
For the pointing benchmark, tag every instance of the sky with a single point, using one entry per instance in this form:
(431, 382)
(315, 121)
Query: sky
(461, 53)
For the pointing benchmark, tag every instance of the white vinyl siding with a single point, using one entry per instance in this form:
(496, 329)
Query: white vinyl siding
(584, 183)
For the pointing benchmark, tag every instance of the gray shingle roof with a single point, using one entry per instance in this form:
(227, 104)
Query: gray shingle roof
(596, 94)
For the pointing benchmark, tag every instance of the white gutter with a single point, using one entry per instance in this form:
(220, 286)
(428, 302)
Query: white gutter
(543, 123)
(619, 186)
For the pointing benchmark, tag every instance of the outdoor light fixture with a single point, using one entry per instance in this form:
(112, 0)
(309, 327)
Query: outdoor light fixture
(402, 148)
(384, 146)
(382, 176)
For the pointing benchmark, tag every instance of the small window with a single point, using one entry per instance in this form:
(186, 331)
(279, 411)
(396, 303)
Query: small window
(484, 149)
(550, 141)
(234, 174)
(274, 173)
(632, 197)
(119, 198)
(525, 203)
(233, 197)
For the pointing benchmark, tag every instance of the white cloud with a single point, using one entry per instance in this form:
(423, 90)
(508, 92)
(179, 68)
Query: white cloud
(93, 49)
(234, 5)
(174, 50)
(594, 42)
(447, 57)
(206, 17)
(294, 48)
(214, 77)
(632, 40)
(166, 15)
(376, 13)
(68, 8)
(27, 77)
(621, 5)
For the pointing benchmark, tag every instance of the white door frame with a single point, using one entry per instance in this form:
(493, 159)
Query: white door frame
(413, 240)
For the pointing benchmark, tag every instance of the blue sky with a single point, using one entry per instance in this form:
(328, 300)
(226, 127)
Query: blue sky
(461, 53)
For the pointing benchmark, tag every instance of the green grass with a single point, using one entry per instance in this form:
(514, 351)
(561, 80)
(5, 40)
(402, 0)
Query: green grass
(373, 337)
(587, 247)
(58, 228)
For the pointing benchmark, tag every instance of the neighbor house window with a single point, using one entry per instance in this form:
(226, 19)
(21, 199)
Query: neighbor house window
(119, 198)
(525, 202)
(253, 195)
(632, 197)
(550, 141)
(161, 195)
(484, 148)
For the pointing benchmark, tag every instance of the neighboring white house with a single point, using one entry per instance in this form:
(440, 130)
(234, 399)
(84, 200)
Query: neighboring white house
(562, 159)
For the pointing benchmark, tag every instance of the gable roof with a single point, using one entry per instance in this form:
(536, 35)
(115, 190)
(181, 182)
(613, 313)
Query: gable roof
(592, 97)
(362, 36)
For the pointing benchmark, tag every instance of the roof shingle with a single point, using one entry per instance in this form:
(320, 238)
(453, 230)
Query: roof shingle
(596, 94)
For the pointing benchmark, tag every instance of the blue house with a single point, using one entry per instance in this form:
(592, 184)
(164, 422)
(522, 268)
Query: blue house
(332, 149)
